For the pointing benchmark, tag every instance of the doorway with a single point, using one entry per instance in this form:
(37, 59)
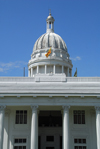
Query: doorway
(50, 130)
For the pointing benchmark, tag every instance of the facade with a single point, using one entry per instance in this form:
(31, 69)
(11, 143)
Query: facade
(50, 109)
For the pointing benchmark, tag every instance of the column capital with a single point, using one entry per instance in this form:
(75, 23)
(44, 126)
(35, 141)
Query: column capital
(97, 108)
(34, 107)
(66, 108)
(2, 107)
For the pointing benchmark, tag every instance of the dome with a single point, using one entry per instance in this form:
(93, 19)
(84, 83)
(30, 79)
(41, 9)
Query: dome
(50, 18)
(50, 39)
(58, 60)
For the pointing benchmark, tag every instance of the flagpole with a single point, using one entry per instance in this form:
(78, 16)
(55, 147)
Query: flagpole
(47, 54)
(50, 63)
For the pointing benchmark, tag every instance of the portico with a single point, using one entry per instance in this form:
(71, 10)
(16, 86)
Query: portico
(40, 132)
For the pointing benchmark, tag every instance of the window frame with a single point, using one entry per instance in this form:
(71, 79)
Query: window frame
(80, 136)
(21, 126)
(80, 144)
(19, 116)
(27, 144)
(81, 116)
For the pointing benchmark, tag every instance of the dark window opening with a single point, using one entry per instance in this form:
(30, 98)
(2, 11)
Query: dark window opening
(50, 138)
(21, 117)
(49, 147)
(79, 116)
(50, 119)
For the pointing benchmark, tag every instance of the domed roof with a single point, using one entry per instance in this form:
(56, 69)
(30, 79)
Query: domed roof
(50, 39)
(50, 18)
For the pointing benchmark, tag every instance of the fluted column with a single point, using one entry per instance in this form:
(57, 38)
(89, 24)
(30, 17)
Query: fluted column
(66, 127)
(98, 126)
(2, 108)
(34, 128)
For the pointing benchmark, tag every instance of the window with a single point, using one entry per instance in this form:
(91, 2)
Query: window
(20, 143)
(21, 117)
(80, 144)
(79, 116)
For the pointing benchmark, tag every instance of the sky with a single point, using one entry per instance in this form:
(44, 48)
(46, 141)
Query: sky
(22, 22)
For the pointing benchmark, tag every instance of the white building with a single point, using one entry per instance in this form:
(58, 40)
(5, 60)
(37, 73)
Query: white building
(50, 109)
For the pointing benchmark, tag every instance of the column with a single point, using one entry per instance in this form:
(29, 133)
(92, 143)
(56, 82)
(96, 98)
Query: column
(66, 127)
(47, 25)
(5, 137)
(34, 128)
(28, 72)
(54, 69)
(62, 69)
(71, 73)
(31, 72)
(45, 69)
(37, 69)
(98, 126)
(53, 26)
(67, 72)
(1, 125)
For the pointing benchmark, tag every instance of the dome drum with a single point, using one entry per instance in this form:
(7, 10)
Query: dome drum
(50, 69)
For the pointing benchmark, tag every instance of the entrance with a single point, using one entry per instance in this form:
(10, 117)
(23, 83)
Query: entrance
(50, 130)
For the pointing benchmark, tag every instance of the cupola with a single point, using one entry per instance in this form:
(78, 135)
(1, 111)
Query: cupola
(50, 24)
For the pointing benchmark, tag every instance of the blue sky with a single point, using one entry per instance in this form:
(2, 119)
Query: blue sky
(22, 22)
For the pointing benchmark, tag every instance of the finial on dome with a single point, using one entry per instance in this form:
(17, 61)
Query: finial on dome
(50, 23)
(49, 12)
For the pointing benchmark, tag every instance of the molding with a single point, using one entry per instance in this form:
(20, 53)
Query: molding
(39, 94)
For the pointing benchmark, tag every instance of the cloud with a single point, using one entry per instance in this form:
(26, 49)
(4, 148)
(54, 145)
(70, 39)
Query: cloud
(76, 58)
(11, 65)
(1, 69)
